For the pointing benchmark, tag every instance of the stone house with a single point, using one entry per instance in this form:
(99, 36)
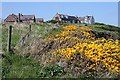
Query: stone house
(74, 19)
(12, 18)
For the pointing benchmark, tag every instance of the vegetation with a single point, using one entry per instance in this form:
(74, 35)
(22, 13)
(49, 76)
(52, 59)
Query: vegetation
(105, 27)
(63, 51)
(99, 51)
(16, 66)
(53, 21)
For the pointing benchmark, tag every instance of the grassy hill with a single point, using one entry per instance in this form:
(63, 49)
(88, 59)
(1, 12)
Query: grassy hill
(61, 50)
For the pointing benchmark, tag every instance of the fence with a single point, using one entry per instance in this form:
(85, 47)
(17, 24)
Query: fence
(22, 40)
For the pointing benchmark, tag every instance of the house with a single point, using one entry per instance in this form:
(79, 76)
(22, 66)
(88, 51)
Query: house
(26, 18)
(12, 18)
(89, 20)
(74, 19)
(65, 18)
(39, 20)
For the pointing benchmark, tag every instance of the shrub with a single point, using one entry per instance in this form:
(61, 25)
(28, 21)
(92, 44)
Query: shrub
(52, 71)
(53, 21)
(99, 23)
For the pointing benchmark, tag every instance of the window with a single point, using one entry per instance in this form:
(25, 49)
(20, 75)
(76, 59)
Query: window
(66, 17)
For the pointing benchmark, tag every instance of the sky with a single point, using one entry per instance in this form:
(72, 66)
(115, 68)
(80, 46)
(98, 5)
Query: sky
(119, 13)
(60, 0)
(104, 12)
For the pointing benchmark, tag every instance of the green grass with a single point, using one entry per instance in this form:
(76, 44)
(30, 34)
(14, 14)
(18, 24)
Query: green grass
(17, 32)
(16, 66)
(40, 29)
(105, 27)
(0, 68)
(54, 31)
(52, 71)
(0, 37)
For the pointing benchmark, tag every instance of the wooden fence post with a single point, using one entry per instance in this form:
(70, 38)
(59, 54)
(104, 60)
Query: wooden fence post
(30, 28)
(9, 38)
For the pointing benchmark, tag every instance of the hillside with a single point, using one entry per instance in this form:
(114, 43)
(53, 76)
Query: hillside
(62, 50)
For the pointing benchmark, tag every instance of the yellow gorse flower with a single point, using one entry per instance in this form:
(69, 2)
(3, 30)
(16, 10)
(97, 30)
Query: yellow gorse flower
(97, 50)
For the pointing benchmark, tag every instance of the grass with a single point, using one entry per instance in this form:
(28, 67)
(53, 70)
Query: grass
(40, 29)
(0, 68)
(17, 66)
(52, 71)
(54, 31)
(17, 32)
(104, 27)
(100, 27)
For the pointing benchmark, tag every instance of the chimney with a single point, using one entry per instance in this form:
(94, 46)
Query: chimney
(19, 17)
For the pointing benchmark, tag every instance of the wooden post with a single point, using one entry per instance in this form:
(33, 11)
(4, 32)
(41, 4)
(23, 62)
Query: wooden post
(9, 38)
(30, 28)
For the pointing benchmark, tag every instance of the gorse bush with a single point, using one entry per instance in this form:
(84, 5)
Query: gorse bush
(80, 40)
(53, 21)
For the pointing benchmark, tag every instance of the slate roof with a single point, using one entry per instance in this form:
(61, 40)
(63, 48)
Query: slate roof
(26, 17)
(68, 18)
(11, 17)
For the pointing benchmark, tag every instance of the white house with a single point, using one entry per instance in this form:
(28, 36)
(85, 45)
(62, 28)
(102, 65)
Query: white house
(74, 19)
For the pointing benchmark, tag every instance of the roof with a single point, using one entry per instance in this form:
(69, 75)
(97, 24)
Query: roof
(11, 17)
(24, 17)
(89, 17)
(74, 17)
(39, 18)
(67, 17)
